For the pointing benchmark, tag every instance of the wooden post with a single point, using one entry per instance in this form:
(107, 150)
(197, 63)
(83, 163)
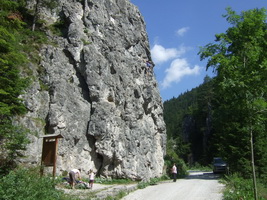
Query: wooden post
(55, 158)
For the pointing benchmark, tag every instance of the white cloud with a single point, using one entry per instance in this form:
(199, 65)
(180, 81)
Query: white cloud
(182, 31)
(161, 54)
(178, 69)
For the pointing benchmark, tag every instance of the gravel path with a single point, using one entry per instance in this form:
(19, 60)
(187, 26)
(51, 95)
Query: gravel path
(197, 186)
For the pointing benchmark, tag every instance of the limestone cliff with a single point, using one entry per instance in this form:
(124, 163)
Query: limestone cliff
(92, 88)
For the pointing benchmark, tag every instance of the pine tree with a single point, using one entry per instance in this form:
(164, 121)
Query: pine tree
(12, 138)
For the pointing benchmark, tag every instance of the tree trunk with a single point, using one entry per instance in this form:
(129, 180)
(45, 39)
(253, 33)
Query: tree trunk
(35, 15)
(253, 166)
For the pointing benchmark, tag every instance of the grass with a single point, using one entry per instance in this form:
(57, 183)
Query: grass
(107, 181)
(119, 196)
(237, 187)
(152, 181)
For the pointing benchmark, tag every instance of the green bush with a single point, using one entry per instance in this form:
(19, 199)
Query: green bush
(13, 140)
(240, 188)
(142, 185)
(181, 167)
(27, 184)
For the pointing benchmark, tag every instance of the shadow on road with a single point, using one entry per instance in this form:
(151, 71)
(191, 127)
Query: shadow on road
(203, 175)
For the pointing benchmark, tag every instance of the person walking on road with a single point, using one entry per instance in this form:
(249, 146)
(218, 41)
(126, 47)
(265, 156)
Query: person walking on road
(174, 172)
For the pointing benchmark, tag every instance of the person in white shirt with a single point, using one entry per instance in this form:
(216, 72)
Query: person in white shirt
(174, 172)
(74, 174)
(91, 178)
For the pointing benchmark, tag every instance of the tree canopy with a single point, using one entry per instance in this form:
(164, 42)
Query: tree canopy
(11, 58)
(240, 59)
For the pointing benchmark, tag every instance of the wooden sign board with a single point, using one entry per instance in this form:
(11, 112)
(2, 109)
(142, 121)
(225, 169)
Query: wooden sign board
(49, 153)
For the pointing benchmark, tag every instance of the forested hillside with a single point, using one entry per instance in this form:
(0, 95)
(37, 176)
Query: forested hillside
(226, 116)
(188, 121)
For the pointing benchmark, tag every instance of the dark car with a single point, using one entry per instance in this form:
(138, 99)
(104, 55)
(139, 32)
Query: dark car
(219, 165)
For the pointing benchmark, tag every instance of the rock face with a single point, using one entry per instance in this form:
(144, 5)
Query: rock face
(92, 88)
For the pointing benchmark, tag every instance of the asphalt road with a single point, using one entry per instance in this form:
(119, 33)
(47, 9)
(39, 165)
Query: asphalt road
(197, 186)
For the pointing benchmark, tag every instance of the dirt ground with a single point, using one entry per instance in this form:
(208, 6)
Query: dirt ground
(197, 186)
(99, 191)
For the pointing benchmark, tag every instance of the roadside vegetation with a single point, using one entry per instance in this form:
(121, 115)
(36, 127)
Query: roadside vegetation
(27, 184)
(237, 187)
(153, 181)
(109, 181)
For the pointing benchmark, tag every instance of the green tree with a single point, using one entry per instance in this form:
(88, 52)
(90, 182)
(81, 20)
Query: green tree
(12, 138)
(240, 59)
(11, 58)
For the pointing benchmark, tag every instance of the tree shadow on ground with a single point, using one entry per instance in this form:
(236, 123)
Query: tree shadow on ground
(204, 175)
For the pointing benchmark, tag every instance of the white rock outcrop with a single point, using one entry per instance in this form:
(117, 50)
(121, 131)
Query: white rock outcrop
(91, 87)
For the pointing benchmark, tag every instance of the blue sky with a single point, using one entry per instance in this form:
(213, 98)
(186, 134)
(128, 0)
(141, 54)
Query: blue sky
(176, 29)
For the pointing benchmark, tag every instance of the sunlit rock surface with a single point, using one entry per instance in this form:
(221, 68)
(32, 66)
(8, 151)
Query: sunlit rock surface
(91, 87)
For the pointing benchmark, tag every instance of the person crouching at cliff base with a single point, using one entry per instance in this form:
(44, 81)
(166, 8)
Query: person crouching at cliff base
(174, 172)
(74, 174)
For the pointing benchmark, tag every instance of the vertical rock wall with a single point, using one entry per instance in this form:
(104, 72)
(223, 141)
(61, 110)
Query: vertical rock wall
(92, 88)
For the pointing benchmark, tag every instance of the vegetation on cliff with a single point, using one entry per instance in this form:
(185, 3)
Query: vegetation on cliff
(17, 46)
